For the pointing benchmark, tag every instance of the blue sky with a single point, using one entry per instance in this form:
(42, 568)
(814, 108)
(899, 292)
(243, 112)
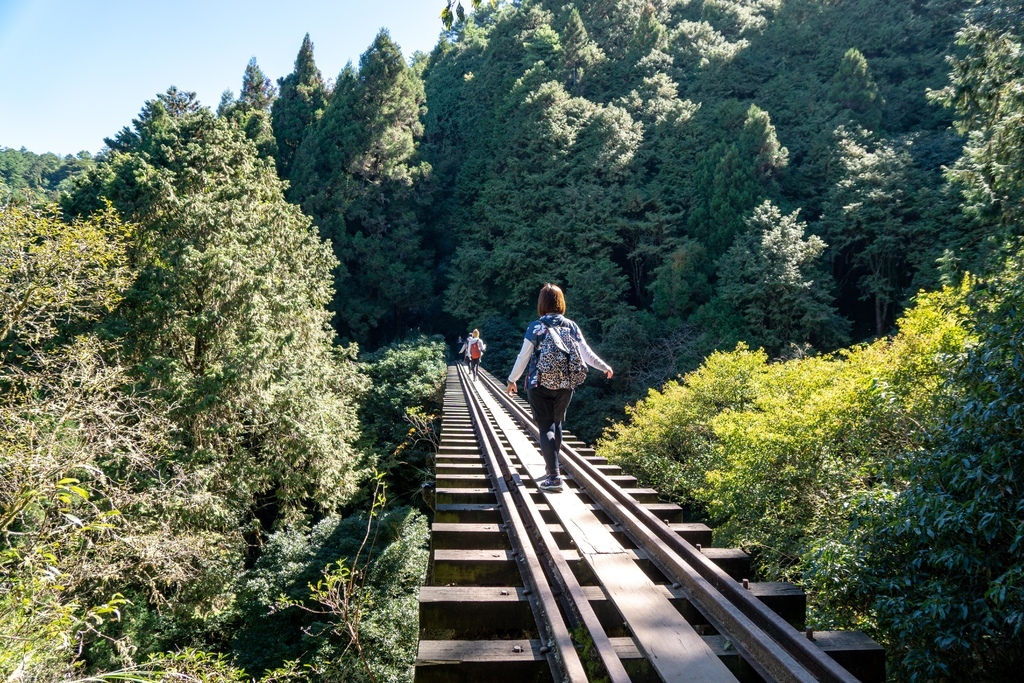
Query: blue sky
(73, 72)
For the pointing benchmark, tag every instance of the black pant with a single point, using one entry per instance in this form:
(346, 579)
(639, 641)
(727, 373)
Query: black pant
(474, 367)
(549, 406)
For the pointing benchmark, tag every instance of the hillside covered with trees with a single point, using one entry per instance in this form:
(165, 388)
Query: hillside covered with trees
(791, 226)
(693, 173)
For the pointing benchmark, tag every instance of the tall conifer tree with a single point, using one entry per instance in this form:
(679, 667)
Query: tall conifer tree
(251, 111)
(854, 89)
(301, 102)
(731, 188)
(257, 90)
(873, 220)
(579, 52)
(987, 92)
(759, 141)
(650, 34)
(357, 174)
(735, 176)
(770, 279)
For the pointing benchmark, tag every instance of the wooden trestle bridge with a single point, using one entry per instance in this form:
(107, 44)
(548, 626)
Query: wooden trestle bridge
(601, 582)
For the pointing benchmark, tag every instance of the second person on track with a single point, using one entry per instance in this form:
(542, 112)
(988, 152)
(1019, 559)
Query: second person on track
(473, 350)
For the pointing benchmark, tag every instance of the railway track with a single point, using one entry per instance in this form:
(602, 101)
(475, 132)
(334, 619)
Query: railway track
(601, 582)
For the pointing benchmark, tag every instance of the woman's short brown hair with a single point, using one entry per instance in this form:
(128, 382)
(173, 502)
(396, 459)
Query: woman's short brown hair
(551, 300)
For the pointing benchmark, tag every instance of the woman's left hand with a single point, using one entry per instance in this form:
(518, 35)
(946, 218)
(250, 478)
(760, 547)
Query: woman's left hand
(608, 375)
(511, 388)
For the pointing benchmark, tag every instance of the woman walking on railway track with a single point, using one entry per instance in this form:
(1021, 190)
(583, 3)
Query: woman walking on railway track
(553, 356)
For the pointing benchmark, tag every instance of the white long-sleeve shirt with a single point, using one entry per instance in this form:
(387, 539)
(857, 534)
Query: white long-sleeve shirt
(464, 351)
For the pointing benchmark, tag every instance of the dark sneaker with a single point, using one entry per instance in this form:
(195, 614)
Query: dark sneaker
(550, 484)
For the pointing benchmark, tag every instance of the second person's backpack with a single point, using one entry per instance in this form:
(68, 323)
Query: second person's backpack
(559, 362)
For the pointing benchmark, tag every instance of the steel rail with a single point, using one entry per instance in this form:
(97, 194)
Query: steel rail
(573, 598)
(558, 646)
(775, 649)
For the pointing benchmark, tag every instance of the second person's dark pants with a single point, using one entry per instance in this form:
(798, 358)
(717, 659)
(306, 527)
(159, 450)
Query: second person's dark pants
(549, 406)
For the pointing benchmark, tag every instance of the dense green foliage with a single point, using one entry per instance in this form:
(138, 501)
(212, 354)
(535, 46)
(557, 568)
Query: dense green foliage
(937, 555)
(887, 478)
(251, 111)
(773, 452)
(301, 103)
(64, 413)
(768, 291)
(401, 413)
(730, 189)
(172, 393)
(954, 531)
(985, 91)
(226, 317)
(32, 178)
(357, 174)
(294, 560)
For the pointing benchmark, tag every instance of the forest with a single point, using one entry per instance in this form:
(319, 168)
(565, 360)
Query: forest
(793, 227)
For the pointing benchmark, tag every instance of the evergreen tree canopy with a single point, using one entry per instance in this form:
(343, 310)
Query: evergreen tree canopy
(37, 178)
(356, 173)
(579, 52)
(251, 112)
(55, 275)
(227, 314)
(257, 90)
(943, 556)
(767, 279)
(987, 93)
(873, 218)
(854, 88)
(301, 102)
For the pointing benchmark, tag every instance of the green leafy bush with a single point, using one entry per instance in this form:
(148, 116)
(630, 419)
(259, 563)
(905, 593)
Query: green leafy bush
(401, 410)
(281, 623)
(941, 560)
(772, 452)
